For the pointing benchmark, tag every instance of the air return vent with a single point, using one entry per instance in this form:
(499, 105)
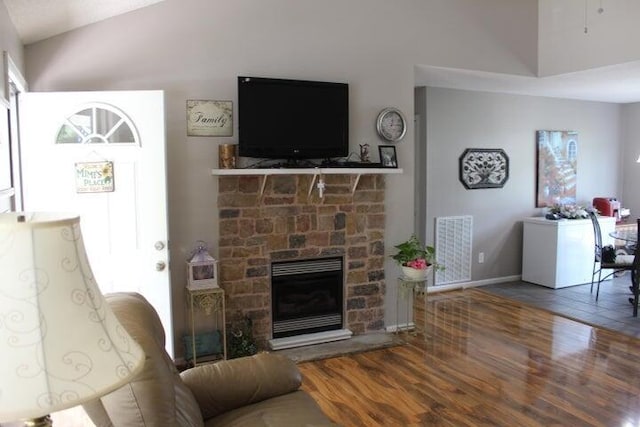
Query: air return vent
(453, 248)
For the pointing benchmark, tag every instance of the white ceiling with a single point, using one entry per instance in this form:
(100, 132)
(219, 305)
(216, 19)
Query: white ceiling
(616, 83)
(36, 20)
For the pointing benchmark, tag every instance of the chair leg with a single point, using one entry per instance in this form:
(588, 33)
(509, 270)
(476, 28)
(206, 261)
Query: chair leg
(598, 287)
(636, 294)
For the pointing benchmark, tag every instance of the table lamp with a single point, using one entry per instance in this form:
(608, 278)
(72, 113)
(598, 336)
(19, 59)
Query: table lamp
(60, 343)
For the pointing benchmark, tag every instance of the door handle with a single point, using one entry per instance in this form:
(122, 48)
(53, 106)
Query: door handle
(160, 266)
(159, 245)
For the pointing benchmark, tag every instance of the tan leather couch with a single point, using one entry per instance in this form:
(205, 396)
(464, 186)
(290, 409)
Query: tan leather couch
(261, 390)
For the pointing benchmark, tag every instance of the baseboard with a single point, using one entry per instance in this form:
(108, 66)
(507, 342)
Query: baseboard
(474, 284)
(400, 327)
(452, 287)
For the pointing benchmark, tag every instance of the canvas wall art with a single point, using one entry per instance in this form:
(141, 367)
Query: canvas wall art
(557, 167)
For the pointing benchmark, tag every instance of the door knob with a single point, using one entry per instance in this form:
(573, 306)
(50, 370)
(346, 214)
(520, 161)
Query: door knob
(160, 265)
(159, 245)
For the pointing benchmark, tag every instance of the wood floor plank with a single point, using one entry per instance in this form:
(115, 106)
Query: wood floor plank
(485, 360)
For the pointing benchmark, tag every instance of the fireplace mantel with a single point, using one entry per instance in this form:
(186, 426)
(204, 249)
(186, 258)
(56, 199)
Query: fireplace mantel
(308, 171)
(316, 172)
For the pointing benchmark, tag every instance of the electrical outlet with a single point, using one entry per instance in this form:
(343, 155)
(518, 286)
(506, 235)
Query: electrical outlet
(480, 257)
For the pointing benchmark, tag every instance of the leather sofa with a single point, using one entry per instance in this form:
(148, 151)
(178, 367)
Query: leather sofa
(261, 390)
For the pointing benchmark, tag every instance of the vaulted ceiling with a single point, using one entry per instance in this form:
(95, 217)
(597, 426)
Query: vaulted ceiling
(37, 20)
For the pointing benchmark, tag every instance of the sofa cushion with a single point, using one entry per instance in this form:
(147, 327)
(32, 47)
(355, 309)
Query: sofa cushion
(227, 385)
(291, 409)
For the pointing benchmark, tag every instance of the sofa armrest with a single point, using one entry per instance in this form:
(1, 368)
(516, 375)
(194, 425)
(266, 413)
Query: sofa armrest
(226, 385)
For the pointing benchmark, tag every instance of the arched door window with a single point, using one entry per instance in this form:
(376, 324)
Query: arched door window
(98, 124)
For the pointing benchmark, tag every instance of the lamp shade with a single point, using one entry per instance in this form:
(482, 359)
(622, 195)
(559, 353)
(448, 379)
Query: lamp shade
(60, 343)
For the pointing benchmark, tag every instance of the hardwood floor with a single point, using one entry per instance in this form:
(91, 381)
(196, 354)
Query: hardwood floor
(487, 361)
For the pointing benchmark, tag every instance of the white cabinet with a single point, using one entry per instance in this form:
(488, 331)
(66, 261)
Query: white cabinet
(560, 253)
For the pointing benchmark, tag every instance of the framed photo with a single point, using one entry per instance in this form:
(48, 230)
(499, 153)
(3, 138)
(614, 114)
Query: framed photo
(209, 118)
(483, 168)
(557, 167)
(388, 158)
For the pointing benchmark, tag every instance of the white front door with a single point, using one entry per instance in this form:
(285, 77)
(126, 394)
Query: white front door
(102, 155)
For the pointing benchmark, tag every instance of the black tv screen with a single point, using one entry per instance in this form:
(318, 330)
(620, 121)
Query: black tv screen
(292, 119)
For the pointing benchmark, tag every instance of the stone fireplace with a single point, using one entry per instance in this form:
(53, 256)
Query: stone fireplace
(286, 220)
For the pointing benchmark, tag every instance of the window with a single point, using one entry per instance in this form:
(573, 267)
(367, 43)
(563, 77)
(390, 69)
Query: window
(97, 124)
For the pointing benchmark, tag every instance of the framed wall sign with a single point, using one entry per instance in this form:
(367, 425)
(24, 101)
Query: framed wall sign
(94, 177)
(483, 168)
(209, 118)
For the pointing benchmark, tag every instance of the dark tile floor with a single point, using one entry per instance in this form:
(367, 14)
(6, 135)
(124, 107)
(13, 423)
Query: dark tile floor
(612, 310)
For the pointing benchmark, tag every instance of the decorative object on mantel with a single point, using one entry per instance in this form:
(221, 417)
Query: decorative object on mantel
(416, 259)
(227, 156)
(202, 268)
(557, 167)
(483, 168)
(364, 153)
(388, 158)
(209, 118)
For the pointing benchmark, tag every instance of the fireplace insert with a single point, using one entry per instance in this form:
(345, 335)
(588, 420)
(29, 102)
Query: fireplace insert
(307, 296)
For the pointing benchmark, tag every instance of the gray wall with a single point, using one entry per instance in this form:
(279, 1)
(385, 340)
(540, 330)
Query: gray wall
(9, 40)
(629, 168)
(458, 119)
(194, 49)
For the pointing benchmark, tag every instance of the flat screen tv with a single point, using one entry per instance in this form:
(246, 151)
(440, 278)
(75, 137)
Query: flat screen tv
(292, 119)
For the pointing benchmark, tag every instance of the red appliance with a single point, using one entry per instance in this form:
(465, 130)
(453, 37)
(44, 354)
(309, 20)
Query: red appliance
(607, 206)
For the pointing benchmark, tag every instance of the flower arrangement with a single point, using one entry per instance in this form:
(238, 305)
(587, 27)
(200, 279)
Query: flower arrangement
(414, 254)
(569, 211)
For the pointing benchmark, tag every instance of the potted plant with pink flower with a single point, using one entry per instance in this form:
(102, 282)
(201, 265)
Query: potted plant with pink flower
(415, 259)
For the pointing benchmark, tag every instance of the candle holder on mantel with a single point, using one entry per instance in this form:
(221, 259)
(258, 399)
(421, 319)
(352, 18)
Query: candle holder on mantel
(227, 156)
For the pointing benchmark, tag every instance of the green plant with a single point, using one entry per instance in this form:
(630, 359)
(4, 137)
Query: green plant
(240, 340)
(412, 253)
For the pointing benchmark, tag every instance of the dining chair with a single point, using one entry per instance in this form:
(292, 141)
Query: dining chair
(635, 279)
(621, 263)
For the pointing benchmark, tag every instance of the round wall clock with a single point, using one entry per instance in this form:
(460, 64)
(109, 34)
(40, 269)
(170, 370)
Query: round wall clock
(391, 125)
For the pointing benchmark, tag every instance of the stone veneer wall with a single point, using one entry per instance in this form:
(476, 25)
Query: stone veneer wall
(287, 223)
